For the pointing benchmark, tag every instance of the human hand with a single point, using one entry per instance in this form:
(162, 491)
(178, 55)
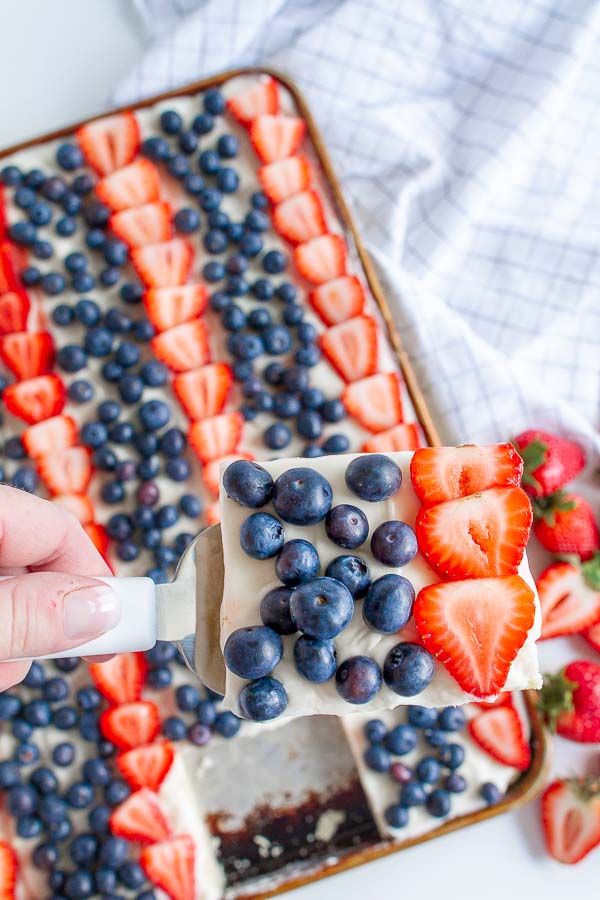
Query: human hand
(56, 606)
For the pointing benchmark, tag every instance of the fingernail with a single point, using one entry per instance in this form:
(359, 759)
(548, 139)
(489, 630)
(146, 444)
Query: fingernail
(90, 611)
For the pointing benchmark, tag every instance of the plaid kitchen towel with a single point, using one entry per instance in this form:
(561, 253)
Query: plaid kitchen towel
(467, 140)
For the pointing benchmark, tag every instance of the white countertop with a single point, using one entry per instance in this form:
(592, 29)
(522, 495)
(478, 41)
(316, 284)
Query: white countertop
(58, 64)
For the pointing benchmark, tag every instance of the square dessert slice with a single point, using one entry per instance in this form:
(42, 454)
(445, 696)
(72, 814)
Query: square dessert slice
(376, 580)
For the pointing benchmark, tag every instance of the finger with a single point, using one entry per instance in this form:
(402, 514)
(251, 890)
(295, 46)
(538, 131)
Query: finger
(44, 536)
(12, 673)
(50, 612)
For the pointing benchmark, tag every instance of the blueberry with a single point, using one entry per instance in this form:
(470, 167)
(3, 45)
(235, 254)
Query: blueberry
(277, 436)
(98, 341)
(194, 183)
(210, 199)
(377, 758)
(122, 433)
(111, 371)
(9, 774)
(83, 849)
(412, 794)
(96, 771)
(11, 176)
(43, 250)
(455, 783)
(155, 148)
(309, 424)
(13, 448)
(88, 698)
(98, 819)
(63, 754)
(227, 724)
(396, 816)
(315, 659)
(24, 198)
(131, 293)
(10, 706)
(71, 203)
(25, 479)
(308, 356)
(297, 562)
(173, 442)
(117, 321)
(275, 611)
(333, 411)
(259, 318)
(178, 469)
(37, 713)
(214, 102)
(203, 123)
(262, 289)
(213, 271)
(154, 374)
(188, 142)
(80, 391)
(40, 213)
(55, 689)
(422, 716)
(236, 285)
(79, 795)
(94, 435)
(206, 713)
(191, 505)
(394, 543)
(259, 200)
(451, 755)
(358, 679)
(29, 826)
(215, 241)
(159, 678)
(261, 536)
(228, 182)
(400, 773)
(182, 542)
(252, 652)
(435, 738)
(131, 875)
(53, 283)
(199, 734)
(65, 718)
(274, 262)
(373, 477)
(336, 443)
(375, 731)
(83, 282)
(69, 157)
(31, 276)
(143, 331)
(248, 483)
(106, 879)
(131, 388)
(438, 803)
(293, 314)
(235, 232)
(82, 185)
(170, 121)
(451, 718)
(401, 739)
(109, 276)
(307, 333)
(22, 799)
(302, 496)
(66, 226)
(45, 856)
(21, 730)
(116, 792)
(428, 770)
(174, 728)
(52, 809)
(277, 340)
(263, 699)
(178, 165)
(388, 604)
(113, 852)
(148, 494)
(321, 608)
(408, 669)
(347, 526)
(187, 221)
(166, 516)
(71, 358)
(285, 405)
(187, 697)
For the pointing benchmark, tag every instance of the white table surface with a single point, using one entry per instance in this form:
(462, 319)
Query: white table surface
(58, 64)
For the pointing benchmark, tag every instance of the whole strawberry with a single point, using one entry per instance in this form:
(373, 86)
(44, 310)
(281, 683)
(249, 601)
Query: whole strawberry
(570, 702)
(550, 461)
(565, 524)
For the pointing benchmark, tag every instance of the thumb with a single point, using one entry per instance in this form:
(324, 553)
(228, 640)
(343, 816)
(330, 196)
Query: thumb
(46, 612)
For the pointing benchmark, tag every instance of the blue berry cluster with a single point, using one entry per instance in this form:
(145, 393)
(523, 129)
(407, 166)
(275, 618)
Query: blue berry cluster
(435, 776)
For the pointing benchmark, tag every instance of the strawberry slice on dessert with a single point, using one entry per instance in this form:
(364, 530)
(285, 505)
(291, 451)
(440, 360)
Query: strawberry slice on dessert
(211, 471)
(163, 265)
(140, 819)
(13, 260)
(98, 536)
(183, 347)
(147, 224)
(27, 353)
(284, 178)
(550, 461)
(14, 310)
(146, 766)
(477, 536)
(216, 436)
(79, 505)
(500, 733)
(170, 306)
(203, 392)
(447, 473)
(300, 218)
(48, 437)
(338, 300)
(8, 871)
(502, 699)
(375, 402)
(67, 471)
(35, 399)
(170, 866)
(131, 724)
(570, 597)
(565, 524)
(259, 100)
(571, 818)
(352, 347)
(401, 437)
(476, 628)
(570, 702)
(133, 185)
(109, 143)
(276, 137)
(121, 679)
(322, 259)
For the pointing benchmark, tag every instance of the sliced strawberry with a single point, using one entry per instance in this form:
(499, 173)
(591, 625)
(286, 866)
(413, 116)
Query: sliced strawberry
(131, 724)
(67, 471)
(500, 733)
(375, 402)
(109, 143)
(134, 185)
(478, 536)
(184, 347)
(211, 472)
(276, 137)
(502, 699)
(140, 819)
(216, 436)
(446, 473)
(163, 265)
(50, 436)
(146, 766)
(79, 505)
(476, 628)
(27, 353)
(14, 310)
(352, 347)
(570, 602)
(147, 224)
(98, 536)
(260, 99)
(338, 300)
(13, 260)
(8, 871)
(204, 392)
(170, 866)
(212, 513)
(300, 218)
(322, 259)
(401, 437)
(122, 678)
(571, 818)
(3, 221)
(170, 306)
(592, 636)
(35, 399)
(284, 178)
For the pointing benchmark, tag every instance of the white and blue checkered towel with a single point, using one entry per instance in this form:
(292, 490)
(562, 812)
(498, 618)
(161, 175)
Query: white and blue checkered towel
(467, 140)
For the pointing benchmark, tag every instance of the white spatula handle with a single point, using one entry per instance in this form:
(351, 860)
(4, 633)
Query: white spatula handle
(136, 629)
